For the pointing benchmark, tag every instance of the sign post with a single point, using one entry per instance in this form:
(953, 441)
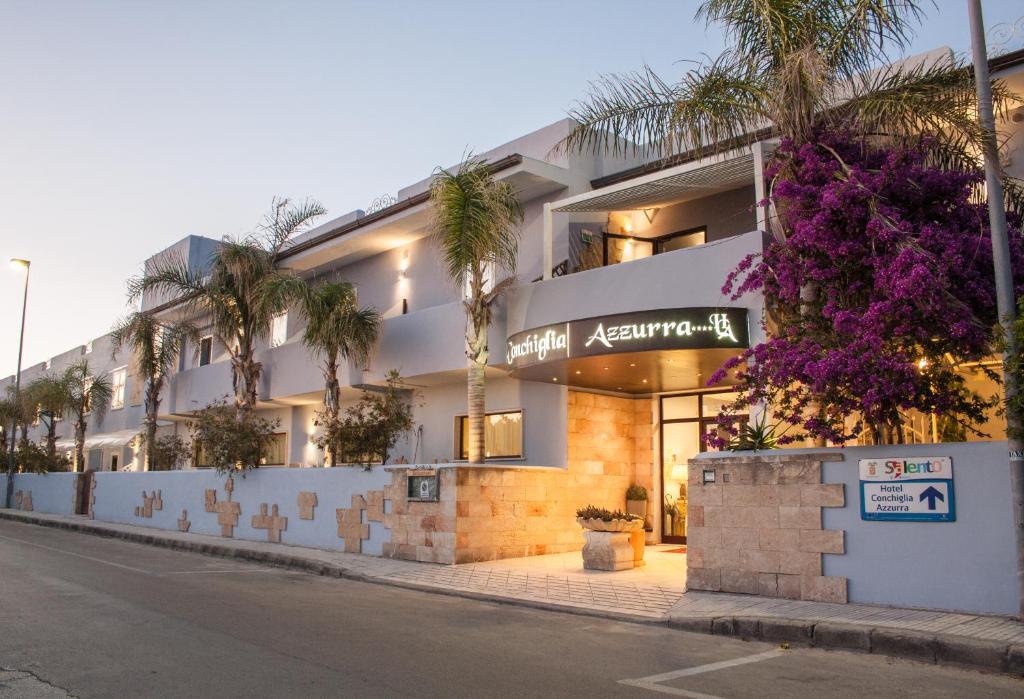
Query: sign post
(918, 489)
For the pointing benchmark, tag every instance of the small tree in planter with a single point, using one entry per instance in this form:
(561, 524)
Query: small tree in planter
(368, 430)
(168, 451)
(636, 501)
(227, 442)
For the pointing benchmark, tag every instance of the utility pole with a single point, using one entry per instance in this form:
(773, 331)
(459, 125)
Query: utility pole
(1005, 301)
(25, 265)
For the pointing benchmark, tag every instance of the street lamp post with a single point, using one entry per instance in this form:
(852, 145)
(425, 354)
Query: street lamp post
(1005, 302)
(25, 265)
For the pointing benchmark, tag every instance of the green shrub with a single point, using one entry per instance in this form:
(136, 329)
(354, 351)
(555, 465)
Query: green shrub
(227, 443)
(636, 492)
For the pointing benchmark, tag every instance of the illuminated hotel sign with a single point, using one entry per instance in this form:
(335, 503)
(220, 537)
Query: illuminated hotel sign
(642, 331)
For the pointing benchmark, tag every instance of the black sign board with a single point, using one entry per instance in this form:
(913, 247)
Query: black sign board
(665, 329)
(423, 487)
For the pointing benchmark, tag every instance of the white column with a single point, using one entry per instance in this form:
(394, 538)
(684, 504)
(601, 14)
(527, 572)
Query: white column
(548, 253)
(759, 190)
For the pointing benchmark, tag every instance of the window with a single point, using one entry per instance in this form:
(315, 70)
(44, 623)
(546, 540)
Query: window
(503, 435)
(113, 462)
(274, 453)
(682, 239)
(118, 378)
(279, 329)
(205, 350)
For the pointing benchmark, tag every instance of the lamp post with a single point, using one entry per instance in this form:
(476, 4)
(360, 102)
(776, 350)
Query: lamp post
(25, 265)
(1005, 302)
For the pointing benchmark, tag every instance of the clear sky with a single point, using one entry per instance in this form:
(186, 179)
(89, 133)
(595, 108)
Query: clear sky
(125, 126)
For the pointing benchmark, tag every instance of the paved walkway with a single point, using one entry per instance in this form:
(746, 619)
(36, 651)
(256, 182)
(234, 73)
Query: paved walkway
(558, 581)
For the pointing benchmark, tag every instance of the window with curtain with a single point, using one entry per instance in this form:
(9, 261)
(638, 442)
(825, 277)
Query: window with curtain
(118, 379)
(274, 452)
(503, 435)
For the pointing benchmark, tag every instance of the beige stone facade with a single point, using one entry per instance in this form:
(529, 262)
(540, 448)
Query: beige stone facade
(486, 513)
(758, 528)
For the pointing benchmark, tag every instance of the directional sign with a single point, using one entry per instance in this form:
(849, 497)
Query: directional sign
(916, 489)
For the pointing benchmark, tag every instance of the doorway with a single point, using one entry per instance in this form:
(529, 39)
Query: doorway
(687, 420)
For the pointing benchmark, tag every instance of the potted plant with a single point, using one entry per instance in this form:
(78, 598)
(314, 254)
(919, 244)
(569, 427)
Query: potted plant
(611, 538)
(600, 519)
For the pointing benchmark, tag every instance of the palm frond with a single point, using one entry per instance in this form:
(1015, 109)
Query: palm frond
(475, 220)
(286, 220)
(640, 112)
(936, 98)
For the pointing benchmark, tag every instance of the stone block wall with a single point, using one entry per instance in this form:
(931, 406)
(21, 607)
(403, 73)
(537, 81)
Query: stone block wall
(486, 513)
(758, 528)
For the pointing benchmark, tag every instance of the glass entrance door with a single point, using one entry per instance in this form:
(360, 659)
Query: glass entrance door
(686, 423)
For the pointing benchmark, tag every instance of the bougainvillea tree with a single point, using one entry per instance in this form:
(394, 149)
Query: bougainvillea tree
(881, 288)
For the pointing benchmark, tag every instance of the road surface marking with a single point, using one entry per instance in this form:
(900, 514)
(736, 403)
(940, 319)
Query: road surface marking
(652, 681)
(77, 555)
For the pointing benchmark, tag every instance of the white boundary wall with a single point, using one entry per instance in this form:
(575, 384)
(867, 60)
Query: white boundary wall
(117, 495)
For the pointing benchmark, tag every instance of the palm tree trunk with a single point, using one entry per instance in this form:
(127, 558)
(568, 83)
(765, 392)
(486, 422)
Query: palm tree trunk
(152, 410)
(332, 398)
(51, 440)
(80, 445)
(477, 352)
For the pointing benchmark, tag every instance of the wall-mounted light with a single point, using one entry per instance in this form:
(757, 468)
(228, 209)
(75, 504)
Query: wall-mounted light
(651, 214)
(404, 263)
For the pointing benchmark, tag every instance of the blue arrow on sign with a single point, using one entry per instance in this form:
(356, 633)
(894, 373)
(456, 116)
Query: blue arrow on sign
(931, 494)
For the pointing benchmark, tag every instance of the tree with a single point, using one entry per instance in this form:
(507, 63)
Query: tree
(337, 330)
(475, 224)
(241, 292)
(155, 346)
(228, 444)
(899, 250)
(51, 395)
(87, 395)
(370, 428)
(794, 69)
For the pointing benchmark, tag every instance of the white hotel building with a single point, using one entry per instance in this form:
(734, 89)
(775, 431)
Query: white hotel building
(599, 358)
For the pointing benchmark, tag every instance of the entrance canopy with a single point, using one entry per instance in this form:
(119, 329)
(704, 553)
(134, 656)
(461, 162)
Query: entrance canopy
(640, 352)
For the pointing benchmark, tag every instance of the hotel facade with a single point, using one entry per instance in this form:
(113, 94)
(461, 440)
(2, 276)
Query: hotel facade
(599, 356)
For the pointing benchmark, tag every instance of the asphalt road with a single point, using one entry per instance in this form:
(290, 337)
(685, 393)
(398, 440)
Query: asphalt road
(94, 617)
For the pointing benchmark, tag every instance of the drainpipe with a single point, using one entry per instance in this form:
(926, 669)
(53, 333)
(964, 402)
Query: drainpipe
(548, 255)
(1005, 301)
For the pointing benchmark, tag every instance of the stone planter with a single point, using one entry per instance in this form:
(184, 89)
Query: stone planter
(612, 545)
(615, 525)
(607, 550)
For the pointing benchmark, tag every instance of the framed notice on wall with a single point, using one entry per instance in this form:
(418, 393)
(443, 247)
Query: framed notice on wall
(918, 489)
(423, 486)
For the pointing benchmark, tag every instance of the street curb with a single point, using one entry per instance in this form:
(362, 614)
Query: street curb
(305, 565)
(942, 649)
(937, 649)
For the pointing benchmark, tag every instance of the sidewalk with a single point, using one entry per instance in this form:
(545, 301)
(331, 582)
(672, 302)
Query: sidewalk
(984, 642)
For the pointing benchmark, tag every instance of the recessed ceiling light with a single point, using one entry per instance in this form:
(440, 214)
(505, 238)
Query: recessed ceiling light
(578, 371)
(554, 378)
(645, 380)
(619, 388)
(632, 364)
(606, 368)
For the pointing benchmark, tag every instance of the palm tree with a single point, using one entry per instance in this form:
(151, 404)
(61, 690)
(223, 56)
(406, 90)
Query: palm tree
(790, 69)
(10, 416)
(475, 224)
(87, 395)
(241, 292)
(337, 330)
(52, 396)
(155, 346)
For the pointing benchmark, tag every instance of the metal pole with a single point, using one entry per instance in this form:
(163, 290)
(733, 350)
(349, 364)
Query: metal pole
(17, 391)
(1005, 301)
